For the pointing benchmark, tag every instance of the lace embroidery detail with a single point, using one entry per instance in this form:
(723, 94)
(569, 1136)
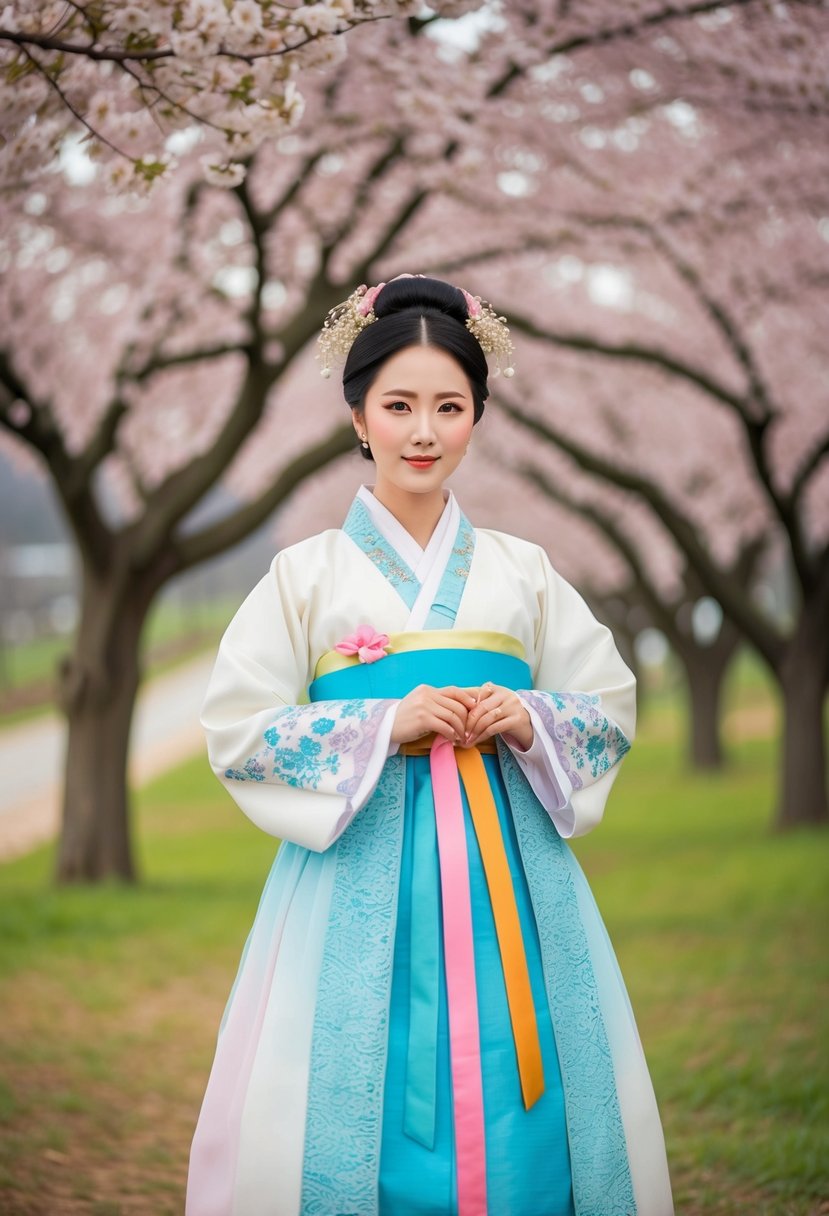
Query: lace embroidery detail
(464, 548)
(587, 743)
(351, 1024)
(453, 583)
(602, 1184)
(309, 746)
(360, 527)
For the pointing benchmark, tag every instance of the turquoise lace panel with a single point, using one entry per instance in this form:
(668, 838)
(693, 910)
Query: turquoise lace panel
(351, 1026)
(327, 745)
(587, 742)
(602, 1184)
(363, 531)
(453, 584)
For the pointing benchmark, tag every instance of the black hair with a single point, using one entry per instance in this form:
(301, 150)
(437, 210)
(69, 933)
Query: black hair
(415, 311)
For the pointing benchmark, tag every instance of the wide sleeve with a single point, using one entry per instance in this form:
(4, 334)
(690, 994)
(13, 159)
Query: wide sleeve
(299, 771)
(583, 708)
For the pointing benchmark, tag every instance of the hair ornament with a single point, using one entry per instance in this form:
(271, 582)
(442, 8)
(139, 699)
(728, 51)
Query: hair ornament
(344, 322)
(348, 319)
(491, 331)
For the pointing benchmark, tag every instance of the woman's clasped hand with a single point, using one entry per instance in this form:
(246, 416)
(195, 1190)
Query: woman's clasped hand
(464, 716)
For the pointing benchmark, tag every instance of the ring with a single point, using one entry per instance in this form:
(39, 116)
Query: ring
(497, 711)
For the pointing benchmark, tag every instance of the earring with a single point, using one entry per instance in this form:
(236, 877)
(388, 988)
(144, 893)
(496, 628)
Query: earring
(364, 439)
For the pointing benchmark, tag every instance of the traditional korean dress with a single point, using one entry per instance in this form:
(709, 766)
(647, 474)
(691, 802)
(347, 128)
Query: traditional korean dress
(428, 1017)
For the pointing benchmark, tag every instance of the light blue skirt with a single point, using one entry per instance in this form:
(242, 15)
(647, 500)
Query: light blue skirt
(527, 1156)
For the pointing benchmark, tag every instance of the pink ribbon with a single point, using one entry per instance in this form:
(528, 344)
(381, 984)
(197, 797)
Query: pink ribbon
(464, 1040)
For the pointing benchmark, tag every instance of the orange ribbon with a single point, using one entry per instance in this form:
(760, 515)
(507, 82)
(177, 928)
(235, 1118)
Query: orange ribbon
(504, 910)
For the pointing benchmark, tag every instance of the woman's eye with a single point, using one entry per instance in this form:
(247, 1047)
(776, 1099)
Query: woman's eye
(397, 406)
(450, 407)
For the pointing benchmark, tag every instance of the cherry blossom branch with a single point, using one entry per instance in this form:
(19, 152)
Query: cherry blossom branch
(253, 312)
(45, 42)
(76, 114)
(634, 351)
(733, 596)
(149, 86)
(628, 28)
(755, 428)
(606, 525)
(663, 615)
(158, 362)
(390, 156)
(197, 546)
(809, 466)
(102, 442)
(29, 417)
(266, 219)
(35, 424)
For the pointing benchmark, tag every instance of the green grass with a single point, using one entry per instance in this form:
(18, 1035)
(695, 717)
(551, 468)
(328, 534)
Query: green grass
(111, 997)
(28, 675)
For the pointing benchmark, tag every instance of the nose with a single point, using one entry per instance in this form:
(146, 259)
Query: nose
(423, 433)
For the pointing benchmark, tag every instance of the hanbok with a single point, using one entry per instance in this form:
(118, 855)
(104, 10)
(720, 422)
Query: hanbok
(428, 1017)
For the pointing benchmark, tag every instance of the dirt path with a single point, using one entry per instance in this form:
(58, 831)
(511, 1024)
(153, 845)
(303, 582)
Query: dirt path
(165, 731)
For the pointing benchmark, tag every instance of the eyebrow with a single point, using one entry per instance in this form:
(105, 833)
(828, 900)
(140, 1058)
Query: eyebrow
(402, 392)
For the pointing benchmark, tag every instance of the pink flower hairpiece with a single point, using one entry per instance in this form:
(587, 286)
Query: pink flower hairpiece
(366, 643)
(366, 304)
(348, 319)
(473, 305)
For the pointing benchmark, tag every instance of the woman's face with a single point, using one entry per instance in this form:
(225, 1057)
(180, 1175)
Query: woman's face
(418, 417)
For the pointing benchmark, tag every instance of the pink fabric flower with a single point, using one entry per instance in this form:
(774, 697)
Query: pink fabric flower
(367, 302)
(472, 305)
(365, 643)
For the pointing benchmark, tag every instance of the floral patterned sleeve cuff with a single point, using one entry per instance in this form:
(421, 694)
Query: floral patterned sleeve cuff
(330, 746)
(574, 744)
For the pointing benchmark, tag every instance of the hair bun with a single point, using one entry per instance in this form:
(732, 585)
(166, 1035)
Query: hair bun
(416, 291)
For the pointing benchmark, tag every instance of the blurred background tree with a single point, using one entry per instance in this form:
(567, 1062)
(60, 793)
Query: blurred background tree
(645, 197)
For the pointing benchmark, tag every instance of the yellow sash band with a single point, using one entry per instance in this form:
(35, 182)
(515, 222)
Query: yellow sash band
(429, 639)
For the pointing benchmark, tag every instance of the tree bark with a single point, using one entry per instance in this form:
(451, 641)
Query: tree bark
(98, 689)
(803, 784)
(704, 681)
(705, 669)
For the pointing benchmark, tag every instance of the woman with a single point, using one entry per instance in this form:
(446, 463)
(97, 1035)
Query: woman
(428, 1017)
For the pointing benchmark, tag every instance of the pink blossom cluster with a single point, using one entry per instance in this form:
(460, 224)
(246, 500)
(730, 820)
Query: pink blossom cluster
(662, 272)
(139, 82)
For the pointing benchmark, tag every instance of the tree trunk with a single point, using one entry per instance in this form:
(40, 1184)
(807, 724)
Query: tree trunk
(99, 685)
(803, 793)
(704, 677)
(705, 669)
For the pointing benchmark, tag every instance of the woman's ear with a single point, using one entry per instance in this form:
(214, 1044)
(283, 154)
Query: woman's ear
(358, 422)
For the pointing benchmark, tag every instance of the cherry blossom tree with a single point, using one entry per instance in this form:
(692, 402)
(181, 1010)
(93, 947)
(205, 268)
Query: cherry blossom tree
(674, 330)
(783, 492)
(705, 649)
(152, 349)
(128, 77)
